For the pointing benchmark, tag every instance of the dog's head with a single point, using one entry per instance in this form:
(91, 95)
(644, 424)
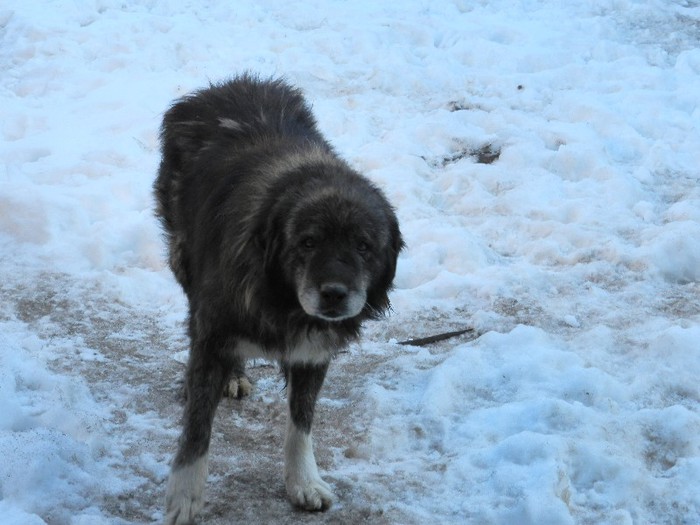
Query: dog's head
(338, 249)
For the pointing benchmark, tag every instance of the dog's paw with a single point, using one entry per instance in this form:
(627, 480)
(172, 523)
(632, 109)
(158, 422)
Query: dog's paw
(238, 387)
(182, 511)
(185, 494)
(312, 494)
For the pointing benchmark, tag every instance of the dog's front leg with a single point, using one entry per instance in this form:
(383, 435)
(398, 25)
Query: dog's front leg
(305, 487)
(205, 380)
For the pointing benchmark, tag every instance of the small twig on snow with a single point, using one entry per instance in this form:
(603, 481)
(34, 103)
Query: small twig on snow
(422, 341)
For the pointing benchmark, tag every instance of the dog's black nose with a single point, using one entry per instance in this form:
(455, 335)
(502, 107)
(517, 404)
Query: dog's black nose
(332, 294)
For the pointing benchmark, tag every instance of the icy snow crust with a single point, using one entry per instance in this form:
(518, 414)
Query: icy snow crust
(544, 160)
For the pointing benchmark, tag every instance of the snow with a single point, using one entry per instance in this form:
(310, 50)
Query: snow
(575, 254)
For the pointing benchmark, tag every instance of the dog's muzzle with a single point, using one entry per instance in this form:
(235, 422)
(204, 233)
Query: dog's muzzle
(332, 301)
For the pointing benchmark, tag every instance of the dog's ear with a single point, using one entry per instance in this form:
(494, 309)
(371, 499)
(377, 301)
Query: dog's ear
(396, 244)
(270, 242)
(272, 252)
(378, 298)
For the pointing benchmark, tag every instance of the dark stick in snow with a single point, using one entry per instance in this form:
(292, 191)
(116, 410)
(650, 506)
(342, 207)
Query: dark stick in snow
(422, 341)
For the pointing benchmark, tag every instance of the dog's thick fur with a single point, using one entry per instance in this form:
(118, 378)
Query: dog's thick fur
(282, 249)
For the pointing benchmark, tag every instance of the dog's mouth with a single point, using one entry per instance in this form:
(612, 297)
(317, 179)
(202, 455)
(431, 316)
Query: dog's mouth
(332, 316)
(332, 301)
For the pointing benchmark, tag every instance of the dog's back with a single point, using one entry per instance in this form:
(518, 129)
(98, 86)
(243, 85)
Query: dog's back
(245, 118)
(238, 114)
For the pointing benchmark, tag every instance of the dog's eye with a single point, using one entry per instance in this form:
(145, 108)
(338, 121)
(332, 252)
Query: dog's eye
(362, 247)
(308, 243)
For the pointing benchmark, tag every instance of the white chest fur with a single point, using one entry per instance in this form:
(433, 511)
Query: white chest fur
(313, 348)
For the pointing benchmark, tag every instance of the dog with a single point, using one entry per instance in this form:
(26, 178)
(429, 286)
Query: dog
(282, 250)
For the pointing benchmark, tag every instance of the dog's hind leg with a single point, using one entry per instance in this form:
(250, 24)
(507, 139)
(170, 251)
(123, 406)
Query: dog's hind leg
(205, 380)
(305, 487)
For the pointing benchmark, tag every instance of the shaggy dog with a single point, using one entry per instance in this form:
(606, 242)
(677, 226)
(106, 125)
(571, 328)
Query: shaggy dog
(282, 250)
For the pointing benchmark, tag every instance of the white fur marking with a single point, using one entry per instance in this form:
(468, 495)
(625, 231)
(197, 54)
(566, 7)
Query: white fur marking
(184, 497)
(313, 348)
(305, 487)
(229, 123)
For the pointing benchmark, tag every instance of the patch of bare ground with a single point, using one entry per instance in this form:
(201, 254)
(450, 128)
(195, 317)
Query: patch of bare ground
(131, 373)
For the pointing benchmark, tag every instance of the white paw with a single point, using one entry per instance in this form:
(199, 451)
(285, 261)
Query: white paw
(182, 510)
(185, 496)
(313, 494)
(305, 487)
(238, 387)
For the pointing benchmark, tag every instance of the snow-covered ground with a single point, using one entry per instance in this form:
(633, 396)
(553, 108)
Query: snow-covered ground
(544, 159)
